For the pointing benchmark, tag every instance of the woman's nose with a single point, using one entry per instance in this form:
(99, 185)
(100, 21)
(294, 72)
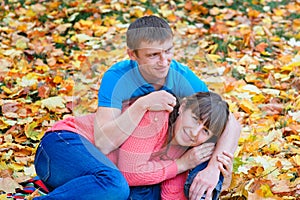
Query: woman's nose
(196, 130)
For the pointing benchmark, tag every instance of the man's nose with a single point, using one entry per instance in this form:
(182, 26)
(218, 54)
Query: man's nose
(163, 59)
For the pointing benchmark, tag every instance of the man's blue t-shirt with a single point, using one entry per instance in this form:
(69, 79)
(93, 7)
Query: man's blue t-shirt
(124, 81)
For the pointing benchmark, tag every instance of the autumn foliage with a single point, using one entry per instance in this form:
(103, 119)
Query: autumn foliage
(54, 53)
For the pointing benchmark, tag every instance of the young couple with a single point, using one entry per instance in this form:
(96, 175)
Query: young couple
(153, 145)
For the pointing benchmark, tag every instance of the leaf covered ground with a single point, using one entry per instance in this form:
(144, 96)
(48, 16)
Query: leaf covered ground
(54, 53)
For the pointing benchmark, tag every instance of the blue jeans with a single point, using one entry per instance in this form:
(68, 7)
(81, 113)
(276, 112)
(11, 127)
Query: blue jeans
(73, 168)
(149, 192)
(152, 192)
(191, 176)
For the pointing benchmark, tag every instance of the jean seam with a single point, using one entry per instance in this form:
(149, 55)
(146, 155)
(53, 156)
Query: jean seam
(42, 152)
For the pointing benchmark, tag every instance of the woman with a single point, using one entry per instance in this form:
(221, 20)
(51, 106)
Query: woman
(73, 168)
(149, 159)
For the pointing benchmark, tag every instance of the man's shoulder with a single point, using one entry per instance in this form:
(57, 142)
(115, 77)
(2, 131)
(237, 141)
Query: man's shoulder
(122, 66)
(180, 68)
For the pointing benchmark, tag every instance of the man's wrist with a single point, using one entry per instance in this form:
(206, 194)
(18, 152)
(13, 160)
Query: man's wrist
(213, 164)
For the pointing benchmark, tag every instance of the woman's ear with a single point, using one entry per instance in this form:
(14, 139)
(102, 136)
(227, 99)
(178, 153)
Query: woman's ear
(131, 54)
(182, 106)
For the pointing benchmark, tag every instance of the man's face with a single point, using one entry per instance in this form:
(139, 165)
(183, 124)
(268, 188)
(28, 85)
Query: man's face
(154, 60)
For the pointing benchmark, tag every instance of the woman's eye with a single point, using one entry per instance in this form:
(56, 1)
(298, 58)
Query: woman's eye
(207, 132)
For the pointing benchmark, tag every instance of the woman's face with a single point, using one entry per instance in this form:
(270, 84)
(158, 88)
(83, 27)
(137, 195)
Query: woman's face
(188, 131)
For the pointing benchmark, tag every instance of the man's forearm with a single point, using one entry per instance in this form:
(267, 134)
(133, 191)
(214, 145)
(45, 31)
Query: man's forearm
(228, 141)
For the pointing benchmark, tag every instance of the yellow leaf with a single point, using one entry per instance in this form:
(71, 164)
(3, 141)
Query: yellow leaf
(3, 124)
(214, 57)
(265, 191)
(296, 160)
(53, 102)
(290, 67)
(21, 44)
(258, 98)
(43, 68)
(278, 12)
(4, 197)
(30, 132)
(57, 79)
(213, 48)
(259, 30)
(30, 13)
(248, 106)
(16, 167)
(138, 12)
(6, 89)
(99, 30)
(268, 67)
(291, 138)
(273, 148)
(86, 23)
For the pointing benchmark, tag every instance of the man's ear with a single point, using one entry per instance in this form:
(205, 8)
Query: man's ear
(131, 54)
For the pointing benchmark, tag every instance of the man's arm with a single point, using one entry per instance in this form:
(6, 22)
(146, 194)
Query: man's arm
(112, 128)
(207, 179)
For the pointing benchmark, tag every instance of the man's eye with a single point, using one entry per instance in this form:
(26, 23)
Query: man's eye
(152, 55)
(168, 51)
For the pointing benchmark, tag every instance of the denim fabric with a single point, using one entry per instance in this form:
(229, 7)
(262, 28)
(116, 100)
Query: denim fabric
(149, 192)
(191, 176)
(73, 168)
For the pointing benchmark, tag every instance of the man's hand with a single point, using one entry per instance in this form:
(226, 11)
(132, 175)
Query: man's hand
(204, 183)
(225, 166)
(158, 101)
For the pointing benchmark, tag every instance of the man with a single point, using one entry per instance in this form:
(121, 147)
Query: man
(155, 77)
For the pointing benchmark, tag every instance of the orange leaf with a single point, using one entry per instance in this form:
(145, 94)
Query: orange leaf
(172, 18)
(253, 13)
(261, 47)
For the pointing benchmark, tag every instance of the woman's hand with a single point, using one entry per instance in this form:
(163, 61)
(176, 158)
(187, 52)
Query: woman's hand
(195, 156)
(225, 166)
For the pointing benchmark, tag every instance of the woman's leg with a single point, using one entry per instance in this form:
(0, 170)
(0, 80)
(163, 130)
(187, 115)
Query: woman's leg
(191, 177)
(73, 168)
(149, 192)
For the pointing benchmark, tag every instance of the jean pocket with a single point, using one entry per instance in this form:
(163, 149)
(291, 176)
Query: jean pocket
(42, 163)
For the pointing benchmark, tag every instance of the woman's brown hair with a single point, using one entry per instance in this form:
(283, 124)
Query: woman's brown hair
(208, 107)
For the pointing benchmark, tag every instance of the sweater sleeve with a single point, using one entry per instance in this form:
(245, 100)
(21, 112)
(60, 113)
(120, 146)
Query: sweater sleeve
(135, 156)
(174, 188)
